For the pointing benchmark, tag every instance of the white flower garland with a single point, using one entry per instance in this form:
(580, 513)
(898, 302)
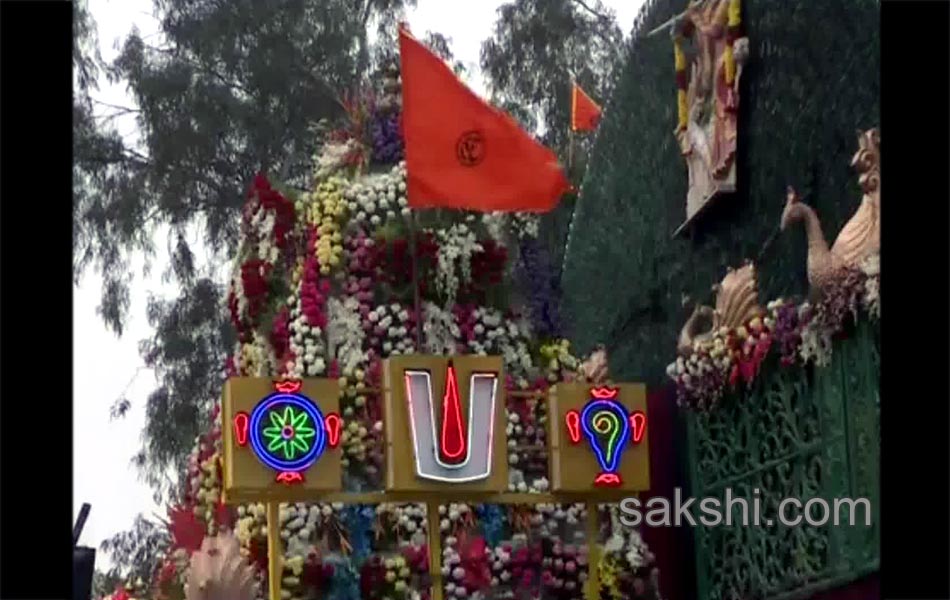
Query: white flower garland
(391, 322)
(497, 335)
(526, 225)
(872, 285)
(345, 336)
(496, 224)
(255, 359)
(457, 244)
(440, 331)
(332, 158)
(306, 343)
(376, 199)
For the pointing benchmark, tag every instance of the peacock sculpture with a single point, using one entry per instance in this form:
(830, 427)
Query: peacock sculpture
(860, 237)
(737, 303)
(219, 572)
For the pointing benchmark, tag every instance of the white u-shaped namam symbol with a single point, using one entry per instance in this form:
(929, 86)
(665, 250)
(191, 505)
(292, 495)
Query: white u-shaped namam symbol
(462, 450)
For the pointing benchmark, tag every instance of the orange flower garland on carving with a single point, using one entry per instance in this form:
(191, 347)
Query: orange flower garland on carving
(734, 12)
(679, 58)
(732, 34)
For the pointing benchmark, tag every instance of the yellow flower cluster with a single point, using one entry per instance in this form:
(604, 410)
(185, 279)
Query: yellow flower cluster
(557, 356)
(251, 524)
(728, 58)
(354, 436)
(209, 493)
(397, 573)
(136, 590)
(297, 273)
(682, 110)
(326, 210)
(252, 360)
(608, 572)
(735, 9)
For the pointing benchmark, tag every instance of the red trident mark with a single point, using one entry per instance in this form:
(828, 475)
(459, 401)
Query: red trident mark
(288, 387)
(452, 444)
(289, 477)
(573, 421)
(333, 424)
(241, 421)
(638, 426)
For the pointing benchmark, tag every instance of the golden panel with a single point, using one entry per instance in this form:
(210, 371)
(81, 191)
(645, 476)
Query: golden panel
(246, 478)
(410, 470)
(574, 466)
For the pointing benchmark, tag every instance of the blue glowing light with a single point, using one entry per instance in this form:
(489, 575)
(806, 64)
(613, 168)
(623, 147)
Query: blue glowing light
(276, 402)
(606, 424)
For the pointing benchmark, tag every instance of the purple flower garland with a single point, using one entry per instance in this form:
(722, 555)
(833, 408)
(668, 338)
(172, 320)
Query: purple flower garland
(535, 271)
(386, 138)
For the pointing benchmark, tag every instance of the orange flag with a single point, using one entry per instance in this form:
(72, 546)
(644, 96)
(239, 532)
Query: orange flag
(585, 114)
(464, 153)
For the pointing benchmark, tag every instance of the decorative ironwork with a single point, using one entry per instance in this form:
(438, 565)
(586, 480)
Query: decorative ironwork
(798, 434)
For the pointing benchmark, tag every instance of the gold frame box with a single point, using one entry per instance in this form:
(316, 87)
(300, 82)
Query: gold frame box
(574, 467)
(246, 477)
(417, 449)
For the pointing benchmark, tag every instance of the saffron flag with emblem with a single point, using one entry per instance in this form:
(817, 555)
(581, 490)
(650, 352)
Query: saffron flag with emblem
(463, 153)
(585, 114)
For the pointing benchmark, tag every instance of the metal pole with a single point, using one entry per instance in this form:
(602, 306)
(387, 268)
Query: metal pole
(416, 300)
(593, 553)
(274, 562)
(435, 549)
(80, 522)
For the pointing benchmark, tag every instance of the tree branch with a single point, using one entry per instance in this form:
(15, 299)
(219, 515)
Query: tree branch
(599, 15)
(123, 109)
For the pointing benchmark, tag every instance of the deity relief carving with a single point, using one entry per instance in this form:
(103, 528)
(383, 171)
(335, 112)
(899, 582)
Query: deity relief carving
(708, 97)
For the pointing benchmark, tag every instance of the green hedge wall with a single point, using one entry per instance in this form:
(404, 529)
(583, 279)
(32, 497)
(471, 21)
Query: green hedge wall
(812, 81)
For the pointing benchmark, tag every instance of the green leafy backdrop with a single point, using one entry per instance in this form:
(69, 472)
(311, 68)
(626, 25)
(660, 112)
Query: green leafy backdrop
(811, 82)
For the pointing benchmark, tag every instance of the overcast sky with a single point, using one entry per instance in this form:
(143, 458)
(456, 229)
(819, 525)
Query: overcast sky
(105, 367)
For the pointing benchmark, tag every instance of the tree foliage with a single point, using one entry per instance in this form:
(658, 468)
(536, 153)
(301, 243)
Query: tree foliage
(536, 49)
(224, 91)
(134, 554)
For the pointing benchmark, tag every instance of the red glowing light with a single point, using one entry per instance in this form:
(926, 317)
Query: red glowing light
(452, 443)
(573, 421)
(288, 387)
(240, 428)
(638, 425)
(333, 424)
(604, 392)
(289, 477)
(607, 480)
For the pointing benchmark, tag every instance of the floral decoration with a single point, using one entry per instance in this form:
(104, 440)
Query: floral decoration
(799, 332)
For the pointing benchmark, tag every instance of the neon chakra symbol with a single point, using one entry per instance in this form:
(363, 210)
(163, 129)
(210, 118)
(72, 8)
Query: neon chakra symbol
(287, 431)
(608, 427)
(290, 432)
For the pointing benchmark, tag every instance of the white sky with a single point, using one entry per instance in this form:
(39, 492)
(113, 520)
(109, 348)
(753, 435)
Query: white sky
(105, 366)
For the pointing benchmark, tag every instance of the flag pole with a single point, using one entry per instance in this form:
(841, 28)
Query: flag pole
(414, 258)
(570, 154)
(570, 226)
(570, 131)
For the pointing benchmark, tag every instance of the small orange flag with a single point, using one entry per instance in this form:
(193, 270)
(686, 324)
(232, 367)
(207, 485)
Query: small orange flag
(585, 114)
(464, 153)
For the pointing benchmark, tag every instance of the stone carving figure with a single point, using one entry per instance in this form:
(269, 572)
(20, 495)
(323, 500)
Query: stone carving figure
(708, 140)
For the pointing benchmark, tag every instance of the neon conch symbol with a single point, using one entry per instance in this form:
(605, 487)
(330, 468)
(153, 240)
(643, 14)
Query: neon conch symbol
(608, 427)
